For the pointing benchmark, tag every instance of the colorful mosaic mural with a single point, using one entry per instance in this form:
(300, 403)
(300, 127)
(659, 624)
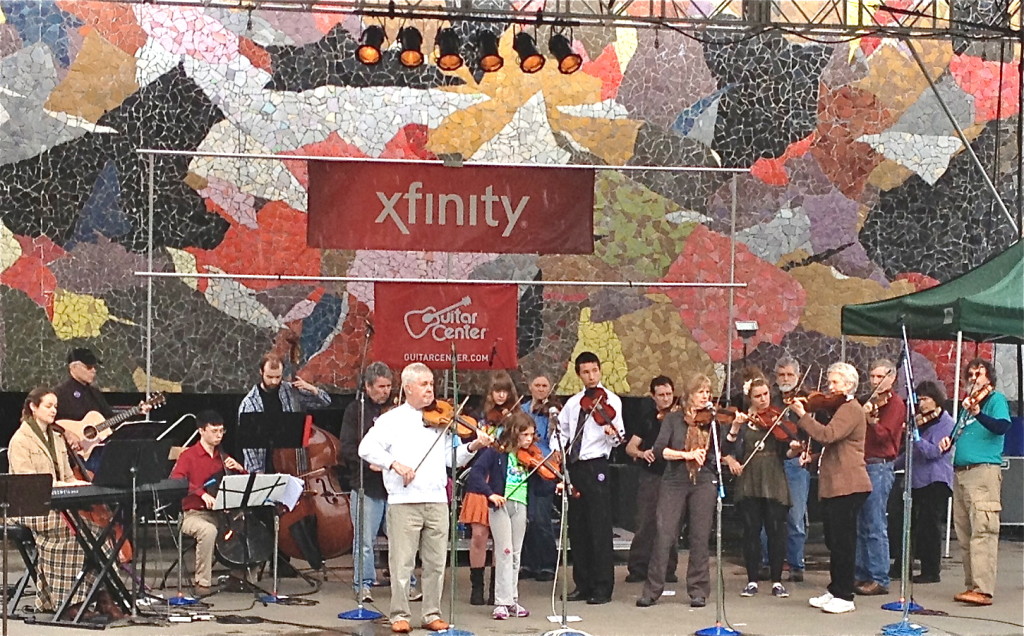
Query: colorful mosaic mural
(856, 188)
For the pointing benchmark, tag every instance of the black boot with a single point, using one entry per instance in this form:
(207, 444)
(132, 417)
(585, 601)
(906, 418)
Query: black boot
(490, 589)
(476, 580)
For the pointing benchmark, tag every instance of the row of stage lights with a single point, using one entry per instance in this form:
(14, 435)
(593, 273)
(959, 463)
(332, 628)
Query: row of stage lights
(449, 59)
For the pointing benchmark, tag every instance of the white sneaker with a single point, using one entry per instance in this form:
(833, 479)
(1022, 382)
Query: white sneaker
(820, 601)
(838, 606)
(365, 596)
(518, 610)
(415, 594)
(500, 613)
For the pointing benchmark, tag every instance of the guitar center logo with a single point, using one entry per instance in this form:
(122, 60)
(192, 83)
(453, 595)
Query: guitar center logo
(445, 324)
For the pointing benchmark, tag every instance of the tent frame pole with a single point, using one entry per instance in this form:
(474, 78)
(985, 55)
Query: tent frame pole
(956, 413)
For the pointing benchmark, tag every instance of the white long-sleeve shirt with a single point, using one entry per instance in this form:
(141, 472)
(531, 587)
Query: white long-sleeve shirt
(400, 436)
(595, 442)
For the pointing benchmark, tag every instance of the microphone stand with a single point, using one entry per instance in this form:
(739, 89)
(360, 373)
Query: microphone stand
(360, 613)
(719, 628)
(906, 602)
(563, 540)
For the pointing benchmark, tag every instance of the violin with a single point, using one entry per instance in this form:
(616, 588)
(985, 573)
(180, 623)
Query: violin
(543, 407)
(784, 430)
(595, 404)
(977, 397)
(441, 414)
(923, 419)
(877, 401)
(819, 401)
(725, 415)
(496, 416)
(533, 459)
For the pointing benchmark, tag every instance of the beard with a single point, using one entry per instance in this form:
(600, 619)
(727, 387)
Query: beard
(786, 387)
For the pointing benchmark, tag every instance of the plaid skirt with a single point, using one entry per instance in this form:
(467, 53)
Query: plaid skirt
(61, 560)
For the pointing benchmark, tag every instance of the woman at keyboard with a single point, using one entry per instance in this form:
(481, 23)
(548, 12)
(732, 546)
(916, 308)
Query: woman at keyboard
(38, 448)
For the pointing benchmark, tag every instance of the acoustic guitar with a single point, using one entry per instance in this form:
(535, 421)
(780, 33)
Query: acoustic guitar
(94, 429)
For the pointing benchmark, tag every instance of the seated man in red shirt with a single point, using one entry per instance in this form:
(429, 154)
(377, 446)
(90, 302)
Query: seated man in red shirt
(199, 464)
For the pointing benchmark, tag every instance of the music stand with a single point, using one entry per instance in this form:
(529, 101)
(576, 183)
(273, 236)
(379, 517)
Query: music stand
(256, 490)
(134, 457)
(272, 430)
(22, 496)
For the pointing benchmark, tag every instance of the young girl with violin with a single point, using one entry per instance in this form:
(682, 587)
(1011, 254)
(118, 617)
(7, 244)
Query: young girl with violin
(501, 478)
(756, 457)
(932, 480)
(500, 400)
(687, 490)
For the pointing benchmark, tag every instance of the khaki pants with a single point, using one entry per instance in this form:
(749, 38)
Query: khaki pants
(421, 527)
(201, 525)
(976, 509)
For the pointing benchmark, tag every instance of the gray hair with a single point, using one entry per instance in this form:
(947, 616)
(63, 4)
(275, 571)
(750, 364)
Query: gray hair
(848, 372)
(787, 361)
(884, 363)
(414, 371)
(376, 370)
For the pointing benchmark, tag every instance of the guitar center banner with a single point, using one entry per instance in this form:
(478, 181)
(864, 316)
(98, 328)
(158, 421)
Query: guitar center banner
(506, 210)
(420, 322)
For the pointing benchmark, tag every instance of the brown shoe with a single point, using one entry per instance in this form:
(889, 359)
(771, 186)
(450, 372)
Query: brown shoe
(72, 611)
(963, 596)
(401, 627)
(977, 598)
(436, 625)
(871, 588)
(105, 605)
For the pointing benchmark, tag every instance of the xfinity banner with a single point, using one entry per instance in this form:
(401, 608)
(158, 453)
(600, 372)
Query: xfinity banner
(421, 322)
(393, 206)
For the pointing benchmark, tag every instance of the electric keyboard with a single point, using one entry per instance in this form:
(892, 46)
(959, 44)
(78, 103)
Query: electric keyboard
(76, 497)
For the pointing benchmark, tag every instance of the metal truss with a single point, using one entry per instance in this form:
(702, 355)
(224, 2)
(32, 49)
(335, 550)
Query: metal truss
(973, 19)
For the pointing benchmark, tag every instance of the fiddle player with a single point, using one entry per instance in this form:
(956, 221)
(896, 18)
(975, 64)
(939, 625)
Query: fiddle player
(272, 395)
(687, 490)
(650, 469)
(539, 551)
(932, 480)
(199, 464)
(977, 444)
(762, 493)
(798, 476)
(413, 459)
(377, 380)
(843, 482)
(500, 399)
(587, 446)
(886, 413)
(38, 448)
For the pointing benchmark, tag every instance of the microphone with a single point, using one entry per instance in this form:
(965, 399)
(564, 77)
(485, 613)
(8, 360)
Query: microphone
(369, 325)
(710, 406)
(494, 354)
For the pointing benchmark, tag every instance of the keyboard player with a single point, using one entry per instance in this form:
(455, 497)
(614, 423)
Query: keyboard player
(199, 464)
(37, 448)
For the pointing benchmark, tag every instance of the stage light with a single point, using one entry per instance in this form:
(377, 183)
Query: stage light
(490, 60)
(369, 45)
(561, 48)
(448, 58)
(411, 41)
(530, 59)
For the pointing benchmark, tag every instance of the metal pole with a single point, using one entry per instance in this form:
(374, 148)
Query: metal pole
(963, 138)
(435, 162)
(149, 281)
(956, 415)
(732, 291)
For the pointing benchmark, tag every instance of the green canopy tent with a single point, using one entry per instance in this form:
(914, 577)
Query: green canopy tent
(985, 304)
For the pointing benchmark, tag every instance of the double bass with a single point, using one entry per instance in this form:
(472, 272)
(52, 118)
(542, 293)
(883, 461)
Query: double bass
(320, 525)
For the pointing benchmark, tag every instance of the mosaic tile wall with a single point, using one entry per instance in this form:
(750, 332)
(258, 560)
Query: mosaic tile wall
(858, 189)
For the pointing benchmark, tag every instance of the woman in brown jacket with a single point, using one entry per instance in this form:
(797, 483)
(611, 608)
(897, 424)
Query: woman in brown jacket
(843, 484)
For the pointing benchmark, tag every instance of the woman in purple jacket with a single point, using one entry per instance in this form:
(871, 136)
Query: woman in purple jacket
(931, 482)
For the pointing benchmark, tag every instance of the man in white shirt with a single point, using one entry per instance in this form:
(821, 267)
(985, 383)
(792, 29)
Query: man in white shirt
(414, 463)
(587, 445)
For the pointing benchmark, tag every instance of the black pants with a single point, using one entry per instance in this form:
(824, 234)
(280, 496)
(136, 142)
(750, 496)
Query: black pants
(839, 515)
(757, 513)
(590, 528)
(649, 484)
(927, 515)
(539, 552)
(679, 498)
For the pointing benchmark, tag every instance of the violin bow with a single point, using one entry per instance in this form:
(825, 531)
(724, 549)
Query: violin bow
(452, 426)
(543, 462)
(760, 443)
(961, 416)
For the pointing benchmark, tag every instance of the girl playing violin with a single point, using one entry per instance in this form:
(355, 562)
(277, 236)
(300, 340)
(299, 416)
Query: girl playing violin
(501, 398)
(687, 489)
(499, 477)
(762, 492)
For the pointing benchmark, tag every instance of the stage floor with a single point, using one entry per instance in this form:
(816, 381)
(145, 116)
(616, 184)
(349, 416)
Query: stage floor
(762, 614)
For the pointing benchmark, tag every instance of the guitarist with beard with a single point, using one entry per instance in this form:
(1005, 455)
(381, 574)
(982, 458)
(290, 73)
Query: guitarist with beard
(78, 396)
